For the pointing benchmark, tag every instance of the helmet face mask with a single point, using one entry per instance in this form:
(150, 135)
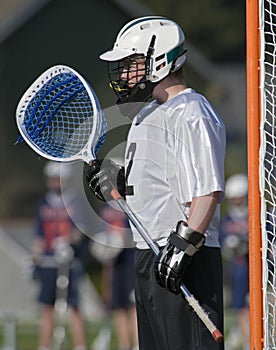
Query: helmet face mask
(159, 41)
(128, 80)
(125, 74)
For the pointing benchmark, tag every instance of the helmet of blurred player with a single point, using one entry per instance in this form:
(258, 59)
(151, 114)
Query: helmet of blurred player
(107, 245)
(159, 41)
(236, 186)
(55, 169)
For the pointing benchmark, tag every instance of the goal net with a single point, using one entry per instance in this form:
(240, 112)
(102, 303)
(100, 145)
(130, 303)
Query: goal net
(268, 165)
(261, 86)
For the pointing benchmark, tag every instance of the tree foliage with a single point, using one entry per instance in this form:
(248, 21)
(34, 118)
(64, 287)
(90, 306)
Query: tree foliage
(216, 27)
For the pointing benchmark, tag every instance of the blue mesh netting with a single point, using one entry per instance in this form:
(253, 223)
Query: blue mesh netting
(59, 118)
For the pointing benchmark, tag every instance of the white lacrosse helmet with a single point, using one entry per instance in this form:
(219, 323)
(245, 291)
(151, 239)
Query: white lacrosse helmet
(54, 169)
(107, 245)
(136, 37)
(236, 186)
(159, 41)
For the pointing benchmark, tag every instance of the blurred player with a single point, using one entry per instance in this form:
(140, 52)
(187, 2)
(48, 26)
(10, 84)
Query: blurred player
(55, 229)
(118, 275)
(174, 171)
(234, 238)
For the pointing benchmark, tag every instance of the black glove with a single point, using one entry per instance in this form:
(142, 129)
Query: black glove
(103, 176)
(174, 258)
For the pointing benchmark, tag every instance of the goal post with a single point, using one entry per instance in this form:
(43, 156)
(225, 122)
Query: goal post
(253, 124)
(261, 126)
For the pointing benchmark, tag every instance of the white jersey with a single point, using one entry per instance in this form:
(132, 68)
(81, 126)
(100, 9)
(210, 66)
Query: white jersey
(175, 152)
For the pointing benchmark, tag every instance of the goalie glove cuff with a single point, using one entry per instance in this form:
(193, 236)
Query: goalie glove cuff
(186, 239)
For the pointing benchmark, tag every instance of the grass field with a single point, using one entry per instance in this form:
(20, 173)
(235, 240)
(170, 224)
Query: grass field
(27, 334)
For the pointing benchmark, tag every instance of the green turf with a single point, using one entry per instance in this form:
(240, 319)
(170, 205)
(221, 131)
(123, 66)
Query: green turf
(27, 335)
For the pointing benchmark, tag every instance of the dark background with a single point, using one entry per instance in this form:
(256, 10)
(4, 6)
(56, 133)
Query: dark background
(75, 33)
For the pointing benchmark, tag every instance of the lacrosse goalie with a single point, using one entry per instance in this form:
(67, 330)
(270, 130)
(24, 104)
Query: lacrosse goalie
(173, 179)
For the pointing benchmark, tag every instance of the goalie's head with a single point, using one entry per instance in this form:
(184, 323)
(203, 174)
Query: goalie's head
(146, 51)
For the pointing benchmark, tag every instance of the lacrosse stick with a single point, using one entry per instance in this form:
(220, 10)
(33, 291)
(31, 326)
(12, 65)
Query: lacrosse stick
(202, 314)
(60, 118)
(64, 255)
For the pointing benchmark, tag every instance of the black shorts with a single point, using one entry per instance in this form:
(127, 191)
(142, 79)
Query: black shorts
(165, 320)
(123, 286)
(48, 288)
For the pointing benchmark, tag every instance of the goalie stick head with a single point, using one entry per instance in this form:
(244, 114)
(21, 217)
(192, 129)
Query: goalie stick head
(60, 117)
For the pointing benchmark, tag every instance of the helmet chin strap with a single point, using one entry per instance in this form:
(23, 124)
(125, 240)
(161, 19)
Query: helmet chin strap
(130, 104)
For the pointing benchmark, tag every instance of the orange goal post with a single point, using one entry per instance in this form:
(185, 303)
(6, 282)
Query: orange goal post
(261, 126)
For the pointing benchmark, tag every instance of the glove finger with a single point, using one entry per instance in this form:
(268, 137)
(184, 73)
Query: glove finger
(163, 275)
(159, 270)
(105, 182)
(94, 168)
(168, 280)
(90, 172)
(96, 187)
(104, 179)
(98, 192)
(174, 285)
(97, 163)
(164, 280)
(97, 177)
(158, 276)
(94, 182)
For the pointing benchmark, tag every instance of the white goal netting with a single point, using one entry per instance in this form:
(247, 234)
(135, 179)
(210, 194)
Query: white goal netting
(268, 166)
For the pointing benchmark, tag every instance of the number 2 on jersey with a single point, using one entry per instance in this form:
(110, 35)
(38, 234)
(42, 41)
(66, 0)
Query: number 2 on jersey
(129, 156)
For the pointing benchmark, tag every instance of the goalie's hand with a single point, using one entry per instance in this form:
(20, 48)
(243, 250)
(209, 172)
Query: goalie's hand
(103, 176)
(174, 258)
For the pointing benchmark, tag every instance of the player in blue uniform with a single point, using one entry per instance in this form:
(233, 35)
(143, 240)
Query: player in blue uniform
(54, 227)
(234, 240)
(121, 284)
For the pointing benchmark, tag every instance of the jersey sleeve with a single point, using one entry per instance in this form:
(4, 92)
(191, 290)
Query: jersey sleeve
(200, 160)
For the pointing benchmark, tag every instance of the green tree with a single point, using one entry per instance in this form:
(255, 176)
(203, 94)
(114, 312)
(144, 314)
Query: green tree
(216, 27)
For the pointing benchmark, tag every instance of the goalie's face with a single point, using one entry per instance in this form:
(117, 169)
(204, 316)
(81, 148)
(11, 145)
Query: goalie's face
(133, 71)
(125, 74)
